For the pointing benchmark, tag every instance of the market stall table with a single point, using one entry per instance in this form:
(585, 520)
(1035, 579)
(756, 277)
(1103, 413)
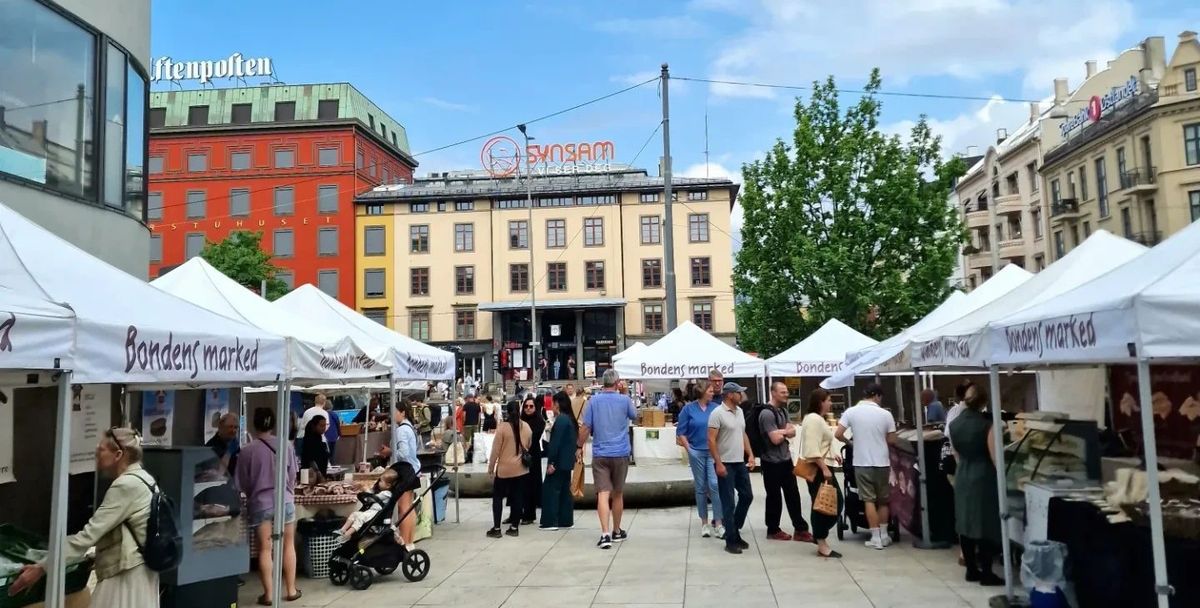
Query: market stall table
(656, 445)
(906, 499)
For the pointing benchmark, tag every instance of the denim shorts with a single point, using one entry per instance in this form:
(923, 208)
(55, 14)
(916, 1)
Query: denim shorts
(268, 516)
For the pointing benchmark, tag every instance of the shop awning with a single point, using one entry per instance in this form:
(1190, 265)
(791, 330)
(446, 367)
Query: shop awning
(822, 353)
(34, 333)
(553, 304)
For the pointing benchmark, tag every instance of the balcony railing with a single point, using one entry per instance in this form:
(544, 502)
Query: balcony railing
(1146, 176)
(1066, 206)
(1148, 239)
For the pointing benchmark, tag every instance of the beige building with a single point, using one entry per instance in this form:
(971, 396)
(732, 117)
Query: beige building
(1122, 152)
(446, 260)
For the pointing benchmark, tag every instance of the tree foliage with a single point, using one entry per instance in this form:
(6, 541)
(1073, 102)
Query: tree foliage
(241, 257)
(844, 222)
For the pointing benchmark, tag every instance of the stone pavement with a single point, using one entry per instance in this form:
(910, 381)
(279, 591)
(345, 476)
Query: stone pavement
(664, 564)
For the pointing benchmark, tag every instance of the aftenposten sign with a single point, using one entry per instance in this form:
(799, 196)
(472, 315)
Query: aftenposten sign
(234, 66)
(1099, 105)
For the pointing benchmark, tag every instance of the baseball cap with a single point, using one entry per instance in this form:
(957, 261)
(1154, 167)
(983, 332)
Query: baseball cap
(732, 387)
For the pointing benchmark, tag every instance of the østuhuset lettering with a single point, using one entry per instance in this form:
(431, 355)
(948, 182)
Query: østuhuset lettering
(171, 356)
(1073, 332)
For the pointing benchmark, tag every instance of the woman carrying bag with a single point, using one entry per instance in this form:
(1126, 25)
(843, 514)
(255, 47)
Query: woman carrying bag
(558, 505)
(822, 486)
(508, 464)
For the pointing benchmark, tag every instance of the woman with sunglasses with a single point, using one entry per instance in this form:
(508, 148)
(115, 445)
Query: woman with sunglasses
(115, 529)
(535, 417)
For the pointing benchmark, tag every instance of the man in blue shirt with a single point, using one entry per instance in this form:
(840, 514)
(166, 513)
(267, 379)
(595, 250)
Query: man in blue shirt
(607, 419)
(935, 412)
(691, 433)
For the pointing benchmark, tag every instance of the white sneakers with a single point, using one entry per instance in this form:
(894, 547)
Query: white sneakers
(706, 531)
(874, 544)
(879, 539)
(719, 531)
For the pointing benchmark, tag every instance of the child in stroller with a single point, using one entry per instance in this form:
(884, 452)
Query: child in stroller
(370, 508)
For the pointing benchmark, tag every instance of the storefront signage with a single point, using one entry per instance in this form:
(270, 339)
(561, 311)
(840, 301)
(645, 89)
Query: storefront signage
(149, 354)
(686, 370)
(234, 66)
(235, 224)
(605, 342)
(500, 157)
(346, 362)
(1072, 333)
(158, 418)
(953, 348)
(816, 368)
(1098, 106)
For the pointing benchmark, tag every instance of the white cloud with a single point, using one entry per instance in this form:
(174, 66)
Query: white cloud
(975, 127)
(675, 26)
(449, 105)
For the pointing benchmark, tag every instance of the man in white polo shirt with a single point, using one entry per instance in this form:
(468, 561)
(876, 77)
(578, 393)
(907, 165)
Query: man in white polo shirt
(872, 430)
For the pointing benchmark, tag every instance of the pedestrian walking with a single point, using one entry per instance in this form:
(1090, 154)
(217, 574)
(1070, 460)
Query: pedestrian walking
(691, 433)
(728, 442)
(558, 506)
(976, 504)
(256, 478)
(779, 479)
(607, 421)
(507, 466)
(872, 430)
(816, 442)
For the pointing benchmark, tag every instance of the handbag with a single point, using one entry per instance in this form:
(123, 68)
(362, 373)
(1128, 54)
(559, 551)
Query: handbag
(577, 480)
(826, 500)
(456, 455)
(806, 469)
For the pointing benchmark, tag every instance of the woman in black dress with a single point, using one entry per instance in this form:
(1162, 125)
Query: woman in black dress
(314, 453)
(535, 417)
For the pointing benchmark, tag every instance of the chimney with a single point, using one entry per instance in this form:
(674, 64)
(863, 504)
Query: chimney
(38, 132)
(972, 150)
(1090, 66)
(1154, 60)
(1001, 135)
(1187, 36)
(1035, 112)
(1061, 92)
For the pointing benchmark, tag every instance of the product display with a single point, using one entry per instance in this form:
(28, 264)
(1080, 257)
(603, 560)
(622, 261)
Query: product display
(1050, 449)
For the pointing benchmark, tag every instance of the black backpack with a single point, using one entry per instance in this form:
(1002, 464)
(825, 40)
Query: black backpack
(163, 548)
(758, 439)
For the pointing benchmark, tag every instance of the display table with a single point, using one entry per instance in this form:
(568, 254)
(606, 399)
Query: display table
(341, 505)
(1037, 506)
(656, 445)
(906, 490)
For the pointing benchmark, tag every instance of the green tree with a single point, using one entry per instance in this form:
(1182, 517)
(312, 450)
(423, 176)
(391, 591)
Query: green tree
(844, 222)
(241, 257)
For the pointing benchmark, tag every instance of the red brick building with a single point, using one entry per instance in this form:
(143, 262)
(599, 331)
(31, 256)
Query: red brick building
(286, 161)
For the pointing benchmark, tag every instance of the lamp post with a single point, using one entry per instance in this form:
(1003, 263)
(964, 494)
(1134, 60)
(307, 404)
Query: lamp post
(533, 341)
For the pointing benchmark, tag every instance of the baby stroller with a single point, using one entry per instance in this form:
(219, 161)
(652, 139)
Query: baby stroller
(854, 510)
(374, 546)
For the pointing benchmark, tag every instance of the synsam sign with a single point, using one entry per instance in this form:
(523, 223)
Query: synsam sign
(1098, 105)
(235, 66)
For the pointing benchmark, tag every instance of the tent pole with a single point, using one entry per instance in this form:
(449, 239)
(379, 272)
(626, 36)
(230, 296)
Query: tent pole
(392, 401)
(899, 396)
(1162, 588)
(55, 560)
(926, 541)
(283, 423)
(1001, 484)
(455, 441)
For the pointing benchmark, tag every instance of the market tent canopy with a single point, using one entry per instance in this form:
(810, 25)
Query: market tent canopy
(822, 353)
(412, 359)
(34, 333)
(633, 349)
(688, 352)
(1148, 307)
(314, 352)
(125, 330)
(891, 355)
(963, 342)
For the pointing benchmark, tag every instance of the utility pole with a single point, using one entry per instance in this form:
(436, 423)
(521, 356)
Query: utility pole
(668, 224)
(533, 341)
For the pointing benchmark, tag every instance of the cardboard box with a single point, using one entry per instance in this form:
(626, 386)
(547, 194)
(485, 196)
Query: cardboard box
(654, 418)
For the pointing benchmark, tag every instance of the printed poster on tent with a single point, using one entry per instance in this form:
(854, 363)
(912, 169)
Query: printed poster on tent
(216, 404)
(91, 415)
(158, 417)
(6, 436)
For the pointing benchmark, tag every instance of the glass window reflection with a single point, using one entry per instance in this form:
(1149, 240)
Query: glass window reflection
(114, 126)
(135, 142)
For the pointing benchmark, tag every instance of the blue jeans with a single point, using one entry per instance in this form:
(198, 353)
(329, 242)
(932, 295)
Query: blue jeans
(704, 477)
(737, 478)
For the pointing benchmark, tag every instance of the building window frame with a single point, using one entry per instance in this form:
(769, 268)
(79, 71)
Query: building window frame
(556, 276)
(518, 278)
(697, 195)
(1194, 204)
(1102, 187)
(322, 233)
(324, 161)
(323, 275)
(518, 234)
(703, 314)
(197, 204)
(419, 281)
(556, 233)
(371, 233)
(701, 271)
(593, 272)
(325, 194)
(154, 206)
(283, 158)
(369, 276)
(593, 232)
(464, 280)
(698, 228)
(649, 197)
(156, 249)
(464, 324)
(652, 273)
(1191, 144)
(235, 156)
(653, 320)
(197, 161)
(187, 245)
(287, 207)
(291, 243)
(651, 229)
(418, 238)
(418, 325)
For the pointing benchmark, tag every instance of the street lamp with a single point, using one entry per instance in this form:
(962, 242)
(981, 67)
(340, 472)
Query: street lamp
(533, 341)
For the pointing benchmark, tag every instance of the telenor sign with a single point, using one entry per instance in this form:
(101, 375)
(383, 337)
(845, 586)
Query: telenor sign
(234, 66)
(1098, 106)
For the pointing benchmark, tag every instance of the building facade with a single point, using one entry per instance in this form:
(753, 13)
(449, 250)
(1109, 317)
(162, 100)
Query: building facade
(283, 160)
(1124, 149)
(447, 261)
(68, 65)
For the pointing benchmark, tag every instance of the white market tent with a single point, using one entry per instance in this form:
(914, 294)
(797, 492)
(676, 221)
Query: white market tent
(633, 349)
(315, 351)
(688, 352)
(820, 354)
(34, 333)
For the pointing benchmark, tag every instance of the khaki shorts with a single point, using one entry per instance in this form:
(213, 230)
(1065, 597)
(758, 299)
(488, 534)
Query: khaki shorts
(873, 485)
(608, 474)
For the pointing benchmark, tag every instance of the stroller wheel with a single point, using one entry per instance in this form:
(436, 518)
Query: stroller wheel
(894, 530)
(416, 565)
(361, 578)
(339, 574)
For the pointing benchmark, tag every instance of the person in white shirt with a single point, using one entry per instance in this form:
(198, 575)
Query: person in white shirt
(872, 430)
(319, 408)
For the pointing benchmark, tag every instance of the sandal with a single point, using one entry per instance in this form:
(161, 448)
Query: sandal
(263, 601)
(293, 598)
(831, 555)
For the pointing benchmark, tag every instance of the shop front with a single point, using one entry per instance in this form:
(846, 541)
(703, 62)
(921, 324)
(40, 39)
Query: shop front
(577, 339)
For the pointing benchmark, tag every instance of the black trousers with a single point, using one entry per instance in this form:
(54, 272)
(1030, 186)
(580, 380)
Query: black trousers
(778, 480)
(532, 490)
(978, 553)
(822, 524)
(511, 488)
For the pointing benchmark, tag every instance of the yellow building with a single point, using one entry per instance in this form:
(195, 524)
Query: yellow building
(446, 260)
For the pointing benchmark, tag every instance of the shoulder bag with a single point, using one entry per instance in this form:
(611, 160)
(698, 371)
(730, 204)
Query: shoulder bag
(807, 469)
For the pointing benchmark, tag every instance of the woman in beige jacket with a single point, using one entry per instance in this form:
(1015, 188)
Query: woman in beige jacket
(815, 447)
(507, 469)
(123, 578)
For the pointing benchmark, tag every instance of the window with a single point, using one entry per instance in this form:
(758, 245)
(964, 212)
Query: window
(510, 203)
(1102, 186)
(1071, 184)
(1059, 247)
(193, 245)
(464, 205)
(651, 230)
(1121, 160)
(1189, 79)
(560, 201)
(702, 315)
(418, 325)
(464, 237)
(418, 281)
(1035, 216)
(327, 157)
(1055, 192)
(155, 248)
(239, 202)
(697, 195)
(156, 165)
(394, 140)
(1194, 204)
(1034, 182)
(418, 208)
(374, 240)
(197, 162)
(327, 109)
(556, 276)
(327, 240)
(418, 238)
(652, 318)
(285, 158)
(371, 121)
(701, 272)
(327, 281)
(441, 206)
(196, 204)
(239, 161)
(240, 114)
(594, 275)
(1126, 223)
(1013, 183)
(282, 244)
(1075, 236)
(378, 315)
(285, 111)
(158, 118)
(1191, 144)
(593, 231)
(358, 159)
(518, 277)
(698, 228)
(464, 280)
(154, 206)
(374, 209)
(285, 201)
(327, 198)
(518, 234)
(287, 278)
(1087, 229)
(556, 233)
(599, 199)
(649, 197)
(1083, 184)
(197, 115)
(464, 325)
(652, 277)
(374, 283)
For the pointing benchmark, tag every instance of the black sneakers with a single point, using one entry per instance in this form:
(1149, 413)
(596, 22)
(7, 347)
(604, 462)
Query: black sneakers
(733, 549)
(494, 533)
(605, 542)
(620, 536)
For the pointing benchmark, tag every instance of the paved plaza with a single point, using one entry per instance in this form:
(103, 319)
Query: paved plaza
(664, 563)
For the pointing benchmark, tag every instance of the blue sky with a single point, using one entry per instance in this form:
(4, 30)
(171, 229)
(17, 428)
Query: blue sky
(453, 70)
